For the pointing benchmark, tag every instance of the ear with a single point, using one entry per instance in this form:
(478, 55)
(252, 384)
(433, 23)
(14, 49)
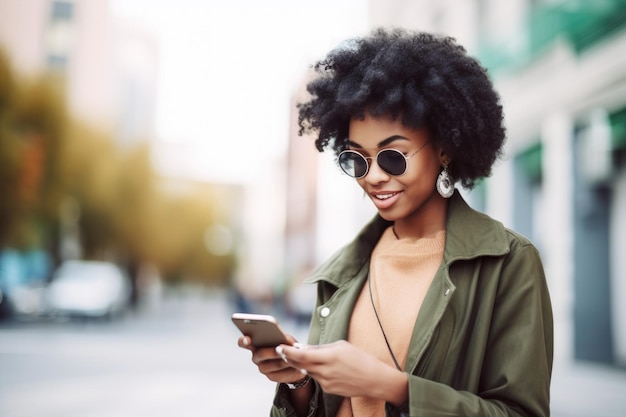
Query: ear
(444, 159)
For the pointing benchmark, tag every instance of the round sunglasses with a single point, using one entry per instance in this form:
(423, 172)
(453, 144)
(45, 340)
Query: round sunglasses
(392, 161)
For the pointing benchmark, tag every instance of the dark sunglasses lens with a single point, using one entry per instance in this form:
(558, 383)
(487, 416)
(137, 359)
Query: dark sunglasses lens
(353, 164)
(392, 161)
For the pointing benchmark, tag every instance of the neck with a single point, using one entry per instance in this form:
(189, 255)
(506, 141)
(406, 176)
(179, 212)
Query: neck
(427, 221)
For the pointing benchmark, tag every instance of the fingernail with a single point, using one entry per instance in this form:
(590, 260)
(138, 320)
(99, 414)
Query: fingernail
(298, 345)
(304, 372)
(279, 350)
(245, 341)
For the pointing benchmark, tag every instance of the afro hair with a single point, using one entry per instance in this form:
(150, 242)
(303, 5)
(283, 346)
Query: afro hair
(426, 81)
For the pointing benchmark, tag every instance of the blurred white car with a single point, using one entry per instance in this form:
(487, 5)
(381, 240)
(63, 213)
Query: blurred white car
(28, 300)
(88, 289)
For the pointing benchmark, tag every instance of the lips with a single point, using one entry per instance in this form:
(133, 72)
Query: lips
(383, 196)
(384, 199)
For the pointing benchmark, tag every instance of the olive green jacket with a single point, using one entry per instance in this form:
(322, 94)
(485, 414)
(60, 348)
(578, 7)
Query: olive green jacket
(482, 343)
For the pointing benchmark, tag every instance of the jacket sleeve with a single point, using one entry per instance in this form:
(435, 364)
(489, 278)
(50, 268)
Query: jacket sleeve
(517, 364)
(281, 406)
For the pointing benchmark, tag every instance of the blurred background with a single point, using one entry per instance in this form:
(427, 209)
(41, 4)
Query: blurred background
(152, 182)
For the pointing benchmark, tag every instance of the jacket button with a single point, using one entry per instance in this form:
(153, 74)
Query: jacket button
(445, 294)
(324, 312)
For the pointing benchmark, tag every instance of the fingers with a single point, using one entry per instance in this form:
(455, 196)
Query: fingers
(299, 356)
(245, 342)
(279, 350)
(274, 367)
(310, 357)
(259, 355)
(270, 362)
(299, 351)
(281, 353)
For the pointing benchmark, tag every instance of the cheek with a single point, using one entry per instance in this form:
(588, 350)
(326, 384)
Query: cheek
(418, 184)
(419, 174)
(426, 170)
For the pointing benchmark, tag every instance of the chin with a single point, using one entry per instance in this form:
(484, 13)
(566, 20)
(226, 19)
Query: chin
(388, 215)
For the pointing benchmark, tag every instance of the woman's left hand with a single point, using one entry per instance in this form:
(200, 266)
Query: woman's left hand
(343, 369)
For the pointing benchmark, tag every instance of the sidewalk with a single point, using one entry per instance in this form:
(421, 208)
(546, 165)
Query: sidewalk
(579, 389)
(588, 390)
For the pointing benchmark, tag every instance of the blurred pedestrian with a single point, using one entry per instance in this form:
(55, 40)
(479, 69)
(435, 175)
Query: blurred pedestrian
(434, 309)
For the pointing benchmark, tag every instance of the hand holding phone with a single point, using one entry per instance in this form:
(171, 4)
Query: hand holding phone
(262, 329)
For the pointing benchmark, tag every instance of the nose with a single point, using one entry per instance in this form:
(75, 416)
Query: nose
(375, 174)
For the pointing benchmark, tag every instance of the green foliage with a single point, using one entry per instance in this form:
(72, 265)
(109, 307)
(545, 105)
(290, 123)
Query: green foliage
(31, 129)
(46, 158)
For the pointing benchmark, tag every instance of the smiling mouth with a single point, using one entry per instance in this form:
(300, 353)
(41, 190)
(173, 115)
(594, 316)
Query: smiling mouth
(384, 196)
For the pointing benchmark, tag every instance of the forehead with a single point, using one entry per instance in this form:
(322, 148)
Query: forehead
(371, 132)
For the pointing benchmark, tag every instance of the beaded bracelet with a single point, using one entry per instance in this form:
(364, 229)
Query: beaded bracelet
(298, 384)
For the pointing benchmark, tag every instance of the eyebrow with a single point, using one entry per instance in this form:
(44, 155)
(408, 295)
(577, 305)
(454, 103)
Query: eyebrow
(382, 143)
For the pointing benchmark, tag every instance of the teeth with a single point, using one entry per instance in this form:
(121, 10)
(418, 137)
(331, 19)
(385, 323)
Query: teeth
(385, 196)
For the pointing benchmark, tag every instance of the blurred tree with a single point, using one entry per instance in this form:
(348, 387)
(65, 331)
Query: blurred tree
(32, 125)
(90, 175)
(136, 199)
(9, 158)
(47, 159)
(179, 241)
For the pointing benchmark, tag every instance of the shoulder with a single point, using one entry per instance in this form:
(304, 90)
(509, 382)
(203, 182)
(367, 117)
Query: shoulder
(472, 234)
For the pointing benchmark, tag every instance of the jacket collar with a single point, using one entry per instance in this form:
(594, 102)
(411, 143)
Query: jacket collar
(469, 234)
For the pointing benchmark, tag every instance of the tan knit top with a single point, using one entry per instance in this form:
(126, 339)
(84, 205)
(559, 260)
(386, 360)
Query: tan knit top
(401, 270)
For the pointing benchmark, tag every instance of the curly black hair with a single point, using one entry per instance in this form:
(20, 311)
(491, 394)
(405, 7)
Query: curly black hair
(427, 81)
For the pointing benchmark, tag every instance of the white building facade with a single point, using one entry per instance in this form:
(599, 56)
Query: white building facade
(560, 69)
(109, 66)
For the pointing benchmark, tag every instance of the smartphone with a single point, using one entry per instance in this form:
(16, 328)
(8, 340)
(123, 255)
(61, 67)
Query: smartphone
(262, 329)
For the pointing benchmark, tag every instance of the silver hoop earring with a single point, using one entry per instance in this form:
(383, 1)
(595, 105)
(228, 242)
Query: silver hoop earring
(445, 186)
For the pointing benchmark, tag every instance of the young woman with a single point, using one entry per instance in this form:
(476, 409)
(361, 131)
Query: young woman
(434, 309)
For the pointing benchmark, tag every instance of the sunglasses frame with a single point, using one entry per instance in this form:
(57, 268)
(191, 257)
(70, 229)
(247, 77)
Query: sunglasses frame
(368, 158)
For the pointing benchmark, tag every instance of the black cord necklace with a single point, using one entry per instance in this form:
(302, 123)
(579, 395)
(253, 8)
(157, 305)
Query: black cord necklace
(369, 285)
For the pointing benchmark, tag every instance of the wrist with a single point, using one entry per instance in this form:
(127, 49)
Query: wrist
(398, 389)
(299, 384)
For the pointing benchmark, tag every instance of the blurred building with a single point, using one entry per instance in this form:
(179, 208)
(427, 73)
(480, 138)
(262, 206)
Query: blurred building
(301, 199)
(323, 206)
(561, 71)
(109, 66)
(562, 76)
(560, 68)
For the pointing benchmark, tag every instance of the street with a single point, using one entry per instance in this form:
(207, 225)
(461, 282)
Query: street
(180, 359)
